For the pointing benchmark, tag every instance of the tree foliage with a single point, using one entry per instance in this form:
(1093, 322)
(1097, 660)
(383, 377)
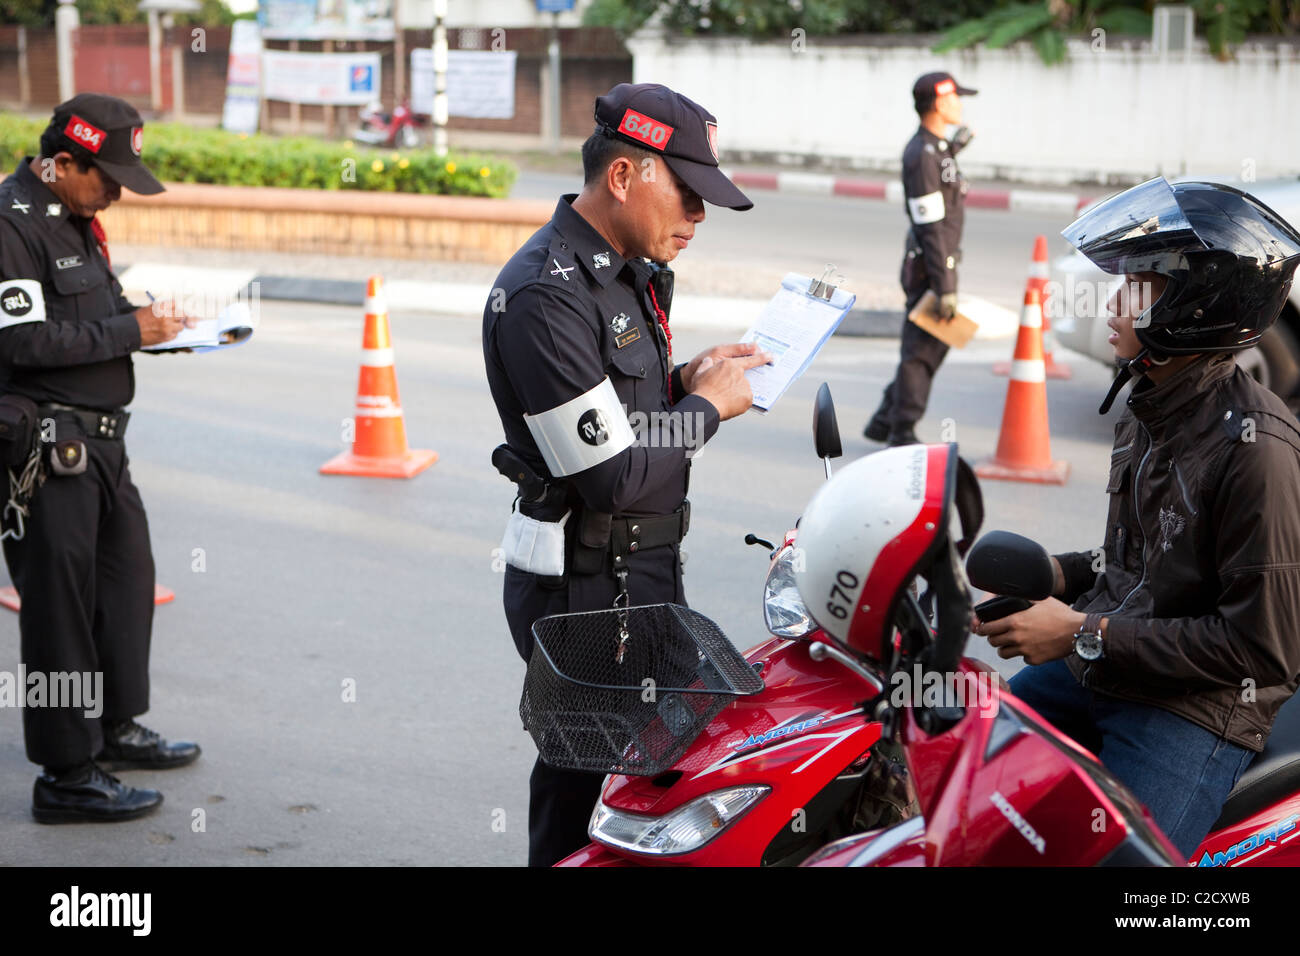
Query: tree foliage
(995, 23)
(40, 13)
(770, 18)
(1047, 23)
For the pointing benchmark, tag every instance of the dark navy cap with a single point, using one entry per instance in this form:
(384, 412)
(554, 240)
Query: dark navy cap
(113, 133)
(934, 85)
(683, 132)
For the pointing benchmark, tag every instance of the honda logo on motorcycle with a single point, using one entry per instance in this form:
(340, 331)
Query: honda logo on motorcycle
(1019, 822)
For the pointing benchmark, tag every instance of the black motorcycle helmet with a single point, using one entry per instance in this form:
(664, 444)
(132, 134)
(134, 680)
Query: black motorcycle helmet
(1228, 259)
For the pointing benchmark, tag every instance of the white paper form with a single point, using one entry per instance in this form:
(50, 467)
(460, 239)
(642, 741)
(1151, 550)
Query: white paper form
(793, 327)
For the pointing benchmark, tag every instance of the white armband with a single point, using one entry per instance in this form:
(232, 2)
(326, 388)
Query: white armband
(583, 432)
(926, 209)
(21, 300)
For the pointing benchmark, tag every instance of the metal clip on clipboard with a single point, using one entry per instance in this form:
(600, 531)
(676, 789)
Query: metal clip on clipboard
(822, 288)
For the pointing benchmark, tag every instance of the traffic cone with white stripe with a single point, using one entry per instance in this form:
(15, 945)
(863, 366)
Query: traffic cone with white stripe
(1038, 276)
(379, 447)
(1024, 444)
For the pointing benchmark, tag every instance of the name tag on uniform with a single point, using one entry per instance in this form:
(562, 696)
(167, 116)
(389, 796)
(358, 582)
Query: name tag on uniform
(627, 338)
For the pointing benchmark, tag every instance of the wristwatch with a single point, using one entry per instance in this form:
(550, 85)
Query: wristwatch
(1087, 642)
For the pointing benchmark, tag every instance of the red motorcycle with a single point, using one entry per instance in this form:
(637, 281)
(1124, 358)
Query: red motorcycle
(394, 130)
(870, 741)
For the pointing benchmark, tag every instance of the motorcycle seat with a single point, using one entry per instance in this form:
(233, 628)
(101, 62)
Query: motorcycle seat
(1273, 774)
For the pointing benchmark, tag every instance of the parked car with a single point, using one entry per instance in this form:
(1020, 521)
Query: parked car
(1078, 295)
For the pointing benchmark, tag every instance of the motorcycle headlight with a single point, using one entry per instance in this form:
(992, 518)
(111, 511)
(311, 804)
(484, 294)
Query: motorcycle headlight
(783, 609)
(685, 829)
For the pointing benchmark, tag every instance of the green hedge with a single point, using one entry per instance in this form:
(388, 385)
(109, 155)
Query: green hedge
(182, 154)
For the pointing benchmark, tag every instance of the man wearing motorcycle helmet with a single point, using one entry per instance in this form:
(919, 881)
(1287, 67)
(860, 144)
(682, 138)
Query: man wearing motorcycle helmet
(1172, 662)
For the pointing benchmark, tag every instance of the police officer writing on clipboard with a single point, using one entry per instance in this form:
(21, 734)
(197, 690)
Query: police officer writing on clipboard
(81, 560)
(576, 342)
(934, 196)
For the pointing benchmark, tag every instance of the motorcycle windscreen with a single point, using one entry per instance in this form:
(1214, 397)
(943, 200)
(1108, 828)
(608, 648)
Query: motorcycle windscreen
(1140, 230)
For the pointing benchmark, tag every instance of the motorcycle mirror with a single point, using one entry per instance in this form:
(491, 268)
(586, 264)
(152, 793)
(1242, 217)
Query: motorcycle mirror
(1011, 565)
(826, 430)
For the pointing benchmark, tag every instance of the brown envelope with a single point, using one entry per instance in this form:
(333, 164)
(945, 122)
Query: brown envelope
(955, 332)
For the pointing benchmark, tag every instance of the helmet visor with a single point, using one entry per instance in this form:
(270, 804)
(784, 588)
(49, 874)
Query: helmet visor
(1142, 229)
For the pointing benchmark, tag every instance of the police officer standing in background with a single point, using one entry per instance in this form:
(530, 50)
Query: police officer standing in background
(81, 560)
(576, 343)
(934, 196)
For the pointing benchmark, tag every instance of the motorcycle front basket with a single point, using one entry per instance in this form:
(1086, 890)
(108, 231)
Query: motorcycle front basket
(586, 710)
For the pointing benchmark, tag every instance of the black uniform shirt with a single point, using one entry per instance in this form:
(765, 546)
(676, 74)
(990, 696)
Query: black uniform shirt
(80, 353)
(566, 311)
(934, 197)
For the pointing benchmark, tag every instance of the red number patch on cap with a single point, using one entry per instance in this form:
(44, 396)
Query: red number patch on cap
(947, 86)
(85, 134)
(651, 132)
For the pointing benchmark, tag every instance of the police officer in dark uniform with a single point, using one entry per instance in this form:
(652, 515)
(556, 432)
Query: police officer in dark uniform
(579, 354)
(934, 198)
(80, 559)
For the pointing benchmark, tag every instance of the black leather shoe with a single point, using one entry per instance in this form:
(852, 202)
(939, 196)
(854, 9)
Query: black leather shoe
(876, 430)
(129, 746)
(907, 437)
(87, 794)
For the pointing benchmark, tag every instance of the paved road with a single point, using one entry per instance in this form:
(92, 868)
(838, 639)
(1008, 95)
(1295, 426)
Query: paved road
(309, 582)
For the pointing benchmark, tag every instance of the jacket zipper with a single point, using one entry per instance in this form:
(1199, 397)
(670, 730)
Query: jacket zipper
(1137, 516)
(1178, 475)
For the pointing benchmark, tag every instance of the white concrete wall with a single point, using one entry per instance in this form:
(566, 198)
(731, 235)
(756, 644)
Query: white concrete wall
(1117, 115)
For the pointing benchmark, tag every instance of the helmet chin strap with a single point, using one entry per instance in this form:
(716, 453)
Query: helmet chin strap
(1140, 364)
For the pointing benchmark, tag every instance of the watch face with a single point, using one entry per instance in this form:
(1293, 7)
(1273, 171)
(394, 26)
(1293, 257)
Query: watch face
(1088, 646)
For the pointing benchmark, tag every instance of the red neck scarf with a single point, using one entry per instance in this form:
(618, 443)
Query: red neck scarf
(101, 238)
(668, 335)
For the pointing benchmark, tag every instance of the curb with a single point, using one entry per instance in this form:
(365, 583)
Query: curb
(819, 184)
(859, 323)
(453, 298)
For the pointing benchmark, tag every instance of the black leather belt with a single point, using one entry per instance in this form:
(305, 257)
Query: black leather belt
(95, 423)
(631, 535)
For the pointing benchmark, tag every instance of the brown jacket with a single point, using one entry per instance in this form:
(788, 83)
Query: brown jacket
(1202, 553)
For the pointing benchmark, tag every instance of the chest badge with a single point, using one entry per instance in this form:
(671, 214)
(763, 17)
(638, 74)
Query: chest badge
(22, 207)
(600, 260)
(619, 323)
(53, 209)
(68, 262)
(561, 271)
(1171, 526)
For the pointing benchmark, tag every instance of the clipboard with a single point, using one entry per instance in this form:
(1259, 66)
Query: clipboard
(793, 327)
(955, 332)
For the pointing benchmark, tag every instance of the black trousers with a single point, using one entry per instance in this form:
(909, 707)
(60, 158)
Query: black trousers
(920, 355)
(85, 573)
(561, 801)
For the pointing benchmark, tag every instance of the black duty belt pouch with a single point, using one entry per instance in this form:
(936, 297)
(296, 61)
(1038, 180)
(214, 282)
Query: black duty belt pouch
(18, 418)
(592, 543)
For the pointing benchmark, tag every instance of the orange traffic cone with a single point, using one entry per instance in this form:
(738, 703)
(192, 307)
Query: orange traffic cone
(1038, 276)
(379, 447)
(1024, 444)
(9, 597)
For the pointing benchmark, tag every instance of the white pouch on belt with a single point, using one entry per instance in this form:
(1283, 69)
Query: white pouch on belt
(535, 546)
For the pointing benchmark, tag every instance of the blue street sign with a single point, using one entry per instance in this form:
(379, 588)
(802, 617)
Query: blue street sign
(554, 6)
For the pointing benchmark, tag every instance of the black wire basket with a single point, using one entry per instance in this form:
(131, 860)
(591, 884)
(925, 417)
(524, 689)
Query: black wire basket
(593, 701)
